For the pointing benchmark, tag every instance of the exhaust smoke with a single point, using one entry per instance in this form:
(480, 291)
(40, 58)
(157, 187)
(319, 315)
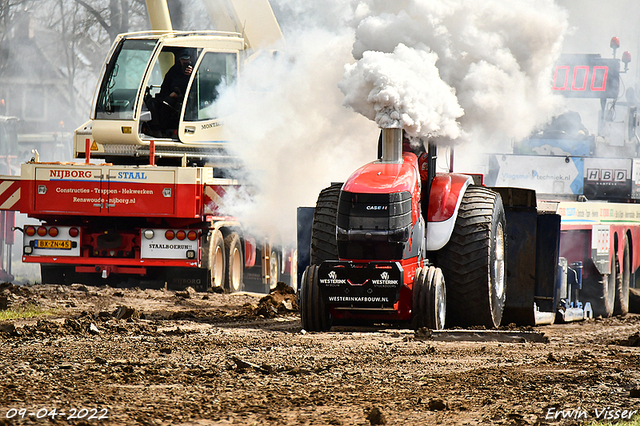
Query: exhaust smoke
(449, 71)
(454, 70)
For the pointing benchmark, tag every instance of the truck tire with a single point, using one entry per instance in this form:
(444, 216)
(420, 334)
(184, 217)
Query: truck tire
(474, 261)
(314, 313)
(323, 232)
(235, 263)
(294, 270)
(600, 290)
(274, 270)
(621, 304)
(429, 299)
(214, 260)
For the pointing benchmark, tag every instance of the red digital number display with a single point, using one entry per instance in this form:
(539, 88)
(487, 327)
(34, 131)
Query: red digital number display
(586, 76)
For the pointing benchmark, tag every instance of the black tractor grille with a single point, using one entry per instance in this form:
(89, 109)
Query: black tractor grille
(373, 226)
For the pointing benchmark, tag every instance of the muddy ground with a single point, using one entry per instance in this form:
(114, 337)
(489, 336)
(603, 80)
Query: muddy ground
(157, 357)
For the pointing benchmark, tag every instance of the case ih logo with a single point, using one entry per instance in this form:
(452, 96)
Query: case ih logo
(606, 175)
(71, 174)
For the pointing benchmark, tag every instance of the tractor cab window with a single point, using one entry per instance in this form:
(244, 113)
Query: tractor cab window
(123, 77)
(216, 71)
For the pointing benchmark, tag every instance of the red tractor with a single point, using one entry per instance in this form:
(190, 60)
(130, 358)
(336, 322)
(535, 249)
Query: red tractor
(394, 245)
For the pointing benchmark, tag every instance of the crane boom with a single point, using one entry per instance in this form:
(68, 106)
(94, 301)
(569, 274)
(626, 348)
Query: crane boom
(159, 15)
(253, 19)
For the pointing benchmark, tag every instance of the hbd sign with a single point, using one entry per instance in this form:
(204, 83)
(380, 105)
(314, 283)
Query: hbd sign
(606, 175)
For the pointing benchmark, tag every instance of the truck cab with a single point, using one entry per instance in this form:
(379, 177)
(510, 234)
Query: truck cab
(129, 110)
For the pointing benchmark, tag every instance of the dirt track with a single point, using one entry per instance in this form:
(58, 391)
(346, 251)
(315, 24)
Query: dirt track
(191, 358)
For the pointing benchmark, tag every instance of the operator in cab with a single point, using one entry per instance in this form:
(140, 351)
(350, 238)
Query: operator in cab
(173, 90)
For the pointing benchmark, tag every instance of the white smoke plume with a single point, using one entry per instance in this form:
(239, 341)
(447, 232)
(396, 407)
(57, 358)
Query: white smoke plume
(291, 131)
(453, 70)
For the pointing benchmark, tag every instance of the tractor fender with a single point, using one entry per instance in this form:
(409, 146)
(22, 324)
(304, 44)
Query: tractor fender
(445, 196)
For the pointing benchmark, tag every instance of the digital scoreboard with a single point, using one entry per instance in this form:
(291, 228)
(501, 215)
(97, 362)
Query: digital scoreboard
(586, 76)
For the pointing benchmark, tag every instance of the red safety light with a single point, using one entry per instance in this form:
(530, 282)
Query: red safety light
(30, 231)
(192, 235)
(181, 235)
(615, 43)
(626, 57)
(74, 232)
(53, 231)
(169, 235)
(42, 231)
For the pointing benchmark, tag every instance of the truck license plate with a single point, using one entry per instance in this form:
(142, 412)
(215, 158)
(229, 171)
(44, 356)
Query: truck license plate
(52, 244)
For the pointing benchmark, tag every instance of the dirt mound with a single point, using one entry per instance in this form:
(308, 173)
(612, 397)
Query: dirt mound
(10, 292)
(281, 300)
(633, 340)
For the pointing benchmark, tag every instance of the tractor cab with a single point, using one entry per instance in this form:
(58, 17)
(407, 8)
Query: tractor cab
(161, 87)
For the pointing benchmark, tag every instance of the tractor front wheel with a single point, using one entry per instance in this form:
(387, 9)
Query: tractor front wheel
(313, 310)
(429, 299)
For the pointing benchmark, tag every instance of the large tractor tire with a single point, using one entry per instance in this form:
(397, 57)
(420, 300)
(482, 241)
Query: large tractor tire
(474, 261)
(313, 310)
(621, 304)
(214, 260)
(235, 263)
(429, 299)
(323, 233)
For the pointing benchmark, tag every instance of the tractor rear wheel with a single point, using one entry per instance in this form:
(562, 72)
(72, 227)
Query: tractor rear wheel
(323, 233)
(474, 261)
(429, 299)
(313, 310)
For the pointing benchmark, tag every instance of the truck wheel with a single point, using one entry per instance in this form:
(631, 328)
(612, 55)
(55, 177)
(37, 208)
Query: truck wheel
(274, 270)
(429, 301)
(294, 270)
(235, 263)
(214, 260)
(599, 290)
(323, 233)
(621, 305)
(474, 261)
(313, 311)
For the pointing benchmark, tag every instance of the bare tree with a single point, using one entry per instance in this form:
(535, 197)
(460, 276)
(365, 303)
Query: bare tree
(7, 11)
(114, 17)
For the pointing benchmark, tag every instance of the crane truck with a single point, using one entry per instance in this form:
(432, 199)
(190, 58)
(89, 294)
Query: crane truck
(146, 206)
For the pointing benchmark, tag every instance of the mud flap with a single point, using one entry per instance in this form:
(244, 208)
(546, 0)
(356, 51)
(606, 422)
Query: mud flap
(181, 278)
(533, 240)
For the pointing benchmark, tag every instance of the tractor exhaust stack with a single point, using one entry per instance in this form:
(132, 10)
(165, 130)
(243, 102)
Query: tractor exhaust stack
(391, 145)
